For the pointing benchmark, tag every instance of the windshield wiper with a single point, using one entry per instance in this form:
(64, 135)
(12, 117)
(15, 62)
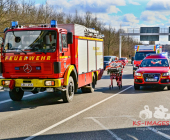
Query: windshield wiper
(18, 49)
(44, 52)
(22, 51)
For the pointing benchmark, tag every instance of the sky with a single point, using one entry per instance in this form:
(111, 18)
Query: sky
(121, 13)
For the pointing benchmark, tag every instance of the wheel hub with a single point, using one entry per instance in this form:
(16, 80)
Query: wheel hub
(70, 89)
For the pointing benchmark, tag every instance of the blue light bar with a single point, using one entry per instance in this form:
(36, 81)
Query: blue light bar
(14, 24)
(53, 23)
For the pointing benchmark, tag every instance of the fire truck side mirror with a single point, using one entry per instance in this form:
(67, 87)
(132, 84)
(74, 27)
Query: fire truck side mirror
(69, 38)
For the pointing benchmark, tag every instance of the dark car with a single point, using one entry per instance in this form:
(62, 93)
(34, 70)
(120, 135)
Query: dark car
(132, 59)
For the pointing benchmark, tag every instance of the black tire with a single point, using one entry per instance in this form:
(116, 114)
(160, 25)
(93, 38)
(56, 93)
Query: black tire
(68, 94)
(161, 88)
(16, 94)
(34, 92)
(136, 87)
(90, 89)
(168, 87)
(84, 90)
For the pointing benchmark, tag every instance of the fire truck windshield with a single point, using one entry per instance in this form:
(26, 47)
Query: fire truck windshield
(142, 55)
(30, 41)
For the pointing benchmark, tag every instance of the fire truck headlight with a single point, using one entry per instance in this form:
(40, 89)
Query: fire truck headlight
(138, 74)
(49, 83)
(166, 74)
(5, 83)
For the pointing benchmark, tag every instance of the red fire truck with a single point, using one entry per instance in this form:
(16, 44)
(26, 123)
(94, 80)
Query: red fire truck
(63, 57)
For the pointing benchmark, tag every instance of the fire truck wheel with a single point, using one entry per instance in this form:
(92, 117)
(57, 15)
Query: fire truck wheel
(16, 95)
(69, 93)
(88, 89)
(137, 87)
(168, 87)
(94, 82)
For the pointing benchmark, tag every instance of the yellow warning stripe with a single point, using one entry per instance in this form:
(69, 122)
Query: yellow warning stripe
(89, 38)
(64, 56)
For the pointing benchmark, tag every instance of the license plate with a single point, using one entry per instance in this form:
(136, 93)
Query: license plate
(151, 80)
(27, 84)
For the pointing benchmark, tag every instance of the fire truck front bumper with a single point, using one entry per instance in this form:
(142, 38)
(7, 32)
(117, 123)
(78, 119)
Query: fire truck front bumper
(31, 84)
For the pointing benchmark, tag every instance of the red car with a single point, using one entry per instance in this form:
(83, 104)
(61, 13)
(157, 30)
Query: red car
(153, 71)
(124, 60)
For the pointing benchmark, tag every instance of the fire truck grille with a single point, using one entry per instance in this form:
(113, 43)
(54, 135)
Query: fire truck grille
(21, 70)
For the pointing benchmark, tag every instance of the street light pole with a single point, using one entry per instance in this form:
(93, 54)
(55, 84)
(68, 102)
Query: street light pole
(120, 45)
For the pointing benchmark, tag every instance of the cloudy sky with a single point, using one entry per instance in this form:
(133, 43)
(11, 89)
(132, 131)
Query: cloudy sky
(127, 13)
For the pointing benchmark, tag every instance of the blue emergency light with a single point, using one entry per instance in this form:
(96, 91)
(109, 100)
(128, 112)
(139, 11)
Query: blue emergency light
(16, 68)
(14, 24)
(53, 23)
(38, 68)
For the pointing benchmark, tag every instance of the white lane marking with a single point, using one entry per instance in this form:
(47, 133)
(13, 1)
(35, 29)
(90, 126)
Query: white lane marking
(122, 116)
(74, 115)
(9, 100)
(154, 130)
(108, 130)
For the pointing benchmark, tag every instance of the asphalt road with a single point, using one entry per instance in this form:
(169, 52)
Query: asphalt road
(102, 115)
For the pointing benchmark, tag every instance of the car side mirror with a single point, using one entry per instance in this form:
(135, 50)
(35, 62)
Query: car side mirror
(137, 65)
(70, 38)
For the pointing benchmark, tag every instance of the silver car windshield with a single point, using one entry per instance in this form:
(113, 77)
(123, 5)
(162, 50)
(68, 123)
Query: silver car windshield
(30, 41)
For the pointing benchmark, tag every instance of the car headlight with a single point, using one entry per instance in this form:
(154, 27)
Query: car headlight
(138, 74)
(5, 83)
(49, 83)
(166, 74)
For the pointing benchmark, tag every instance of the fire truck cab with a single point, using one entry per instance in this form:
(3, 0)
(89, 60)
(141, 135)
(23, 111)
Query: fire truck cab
(50, 58)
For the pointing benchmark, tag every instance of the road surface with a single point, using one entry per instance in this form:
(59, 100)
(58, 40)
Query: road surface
(102, 115)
